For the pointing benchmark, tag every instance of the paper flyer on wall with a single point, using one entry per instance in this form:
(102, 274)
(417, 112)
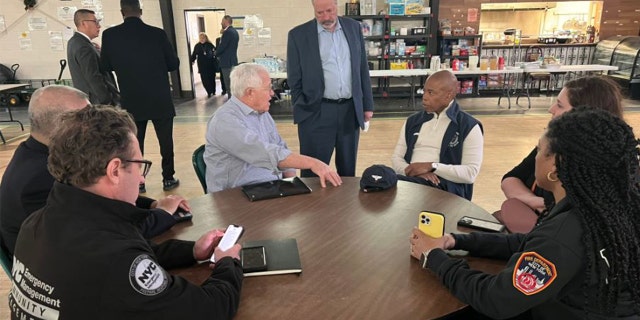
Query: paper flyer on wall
(66, 13)
(25, 44)
(55, 41)
(37, 23)
(67, 33)
(264, 37)
(252, 23)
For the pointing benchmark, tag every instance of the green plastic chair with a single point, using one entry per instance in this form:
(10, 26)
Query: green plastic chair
(6, 261)
(200, 167)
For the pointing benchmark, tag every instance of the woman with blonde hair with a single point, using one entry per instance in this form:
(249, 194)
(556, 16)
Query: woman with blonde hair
(205, 52)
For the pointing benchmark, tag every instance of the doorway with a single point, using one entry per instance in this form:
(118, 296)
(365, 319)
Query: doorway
(196, 21)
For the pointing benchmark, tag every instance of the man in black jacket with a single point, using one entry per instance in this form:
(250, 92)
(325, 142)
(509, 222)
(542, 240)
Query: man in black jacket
(142, 56)
(82, 256)
(26, 182)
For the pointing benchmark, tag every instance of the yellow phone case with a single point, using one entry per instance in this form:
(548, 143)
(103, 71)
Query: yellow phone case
(431, 223)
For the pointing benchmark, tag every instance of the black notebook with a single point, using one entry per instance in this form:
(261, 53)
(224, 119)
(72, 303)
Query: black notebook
(282, 256)
(275, 189)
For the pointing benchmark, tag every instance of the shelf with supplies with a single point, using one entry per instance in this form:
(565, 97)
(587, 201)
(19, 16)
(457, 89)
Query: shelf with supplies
(397, 42)
(459, 47)
(454, 52)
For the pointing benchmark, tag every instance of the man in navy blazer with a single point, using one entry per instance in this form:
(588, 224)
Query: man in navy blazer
(330, 86)
(227, 51)
(142, 56)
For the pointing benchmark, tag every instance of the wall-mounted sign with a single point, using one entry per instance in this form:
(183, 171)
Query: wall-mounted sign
(37, 23)
(472, 15)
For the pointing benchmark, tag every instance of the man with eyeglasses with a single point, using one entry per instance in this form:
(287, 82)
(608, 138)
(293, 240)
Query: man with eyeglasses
(243, 145)
(84, 61)
(26, 182)
(83, 257)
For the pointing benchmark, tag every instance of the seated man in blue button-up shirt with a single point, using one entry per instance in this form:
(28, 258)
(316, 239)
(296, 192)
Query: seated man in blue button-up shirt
(243, 144)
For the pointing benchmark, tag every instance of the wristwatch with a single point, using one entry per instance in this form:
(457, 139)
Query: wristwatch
(423, 259)
(434, 166)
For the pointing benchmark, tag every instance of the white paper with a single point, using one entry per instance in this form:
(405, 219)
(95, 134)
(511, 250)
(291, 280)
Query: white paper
(67, 33)
(55, 41)
(2, 25)
(264, 37)
(66, 13)
(37, 23)
(366, 126)
(25, 44)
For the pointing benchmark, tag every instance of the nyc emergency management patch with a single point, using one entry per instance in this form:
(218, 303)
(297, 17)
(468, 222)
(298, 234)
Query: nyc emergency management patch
(146, 276)
(533, 273)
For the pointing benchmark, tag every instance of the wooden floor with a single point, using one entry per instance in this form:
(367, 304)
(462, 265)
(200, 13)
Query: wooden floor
(507, 140)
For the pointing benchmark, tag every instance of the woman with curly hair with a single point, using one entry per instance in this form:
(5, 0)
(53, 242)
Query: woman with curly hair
(582, 261)
(525, 199)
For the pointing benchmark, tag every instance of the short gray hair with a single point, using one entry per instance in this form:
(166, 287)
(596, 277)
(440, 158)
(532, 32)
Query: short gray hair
(245, 76)
(48, 103)
(313, 2)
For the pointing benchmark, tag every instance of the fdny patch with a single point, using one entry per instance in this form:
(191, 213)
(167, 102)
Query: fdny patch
(533, 273)
(146, 276)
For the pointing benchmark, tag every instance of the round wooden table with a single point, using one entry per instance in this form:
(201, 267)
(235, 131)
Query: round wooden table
(354, 249)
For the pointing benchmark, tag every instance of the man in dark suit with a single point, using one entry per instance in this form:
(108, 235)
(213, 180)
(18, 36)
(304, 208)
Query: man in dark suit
(218, 70)
(84, 61)
(142, 56)
(227, 51)
(330, 86)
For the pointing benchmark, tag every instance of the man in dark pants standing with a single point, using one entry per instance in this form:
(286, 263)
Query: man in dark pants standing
(142, 56)
(227, 51)
(330, 86)
(218, 69)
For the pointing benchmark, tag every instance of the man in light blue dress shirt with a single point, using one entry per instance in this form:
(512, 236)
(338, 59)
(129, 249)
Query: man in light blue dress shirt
(328, 73)
(243, 145)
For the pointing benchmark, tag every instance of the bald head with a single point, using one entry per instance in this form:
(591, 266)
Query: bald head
(446, 79)
(48, 103)
(439, 90)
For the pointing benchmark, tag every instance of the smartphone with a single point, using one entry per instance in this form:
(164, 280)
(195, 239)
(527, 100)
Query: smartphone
(253, 259)
(182, 215)
(231, 237)
(479, 224)
(431, 223)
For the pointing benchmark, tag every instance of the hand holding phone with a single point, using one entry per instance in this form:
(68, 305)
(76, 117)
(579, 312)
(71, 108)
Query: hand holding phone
(230, 238)
(431, 223)
(182, 215)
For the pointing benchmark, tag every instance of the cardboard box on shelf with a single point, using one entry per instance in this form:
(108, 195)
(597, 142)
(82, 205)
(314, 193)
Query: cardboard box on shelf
(412, 7)
(466, 86)
(398, 65)
(396, 9)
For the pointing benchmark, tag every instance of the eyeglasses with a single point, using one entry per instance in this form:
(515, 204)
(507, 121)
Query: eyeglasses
(270, 88)
(145, 164)
(97, 22)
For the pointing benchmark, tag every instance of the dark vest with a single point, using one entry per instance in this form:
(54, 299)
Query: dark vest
(451, 148)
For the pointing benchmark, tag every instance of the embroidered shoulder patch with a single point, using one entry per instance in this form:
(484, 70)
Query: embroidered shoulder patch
(146, 276)
(533, 273)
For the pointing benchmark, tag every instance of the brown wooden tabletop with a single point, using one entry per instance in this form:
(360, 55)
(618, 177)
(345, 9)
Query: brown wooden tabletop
(354, 249)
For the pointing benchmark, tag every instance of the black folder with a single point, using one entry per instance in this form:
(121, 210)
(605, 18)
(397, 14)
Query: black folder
(281, 254)
(275, 189)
